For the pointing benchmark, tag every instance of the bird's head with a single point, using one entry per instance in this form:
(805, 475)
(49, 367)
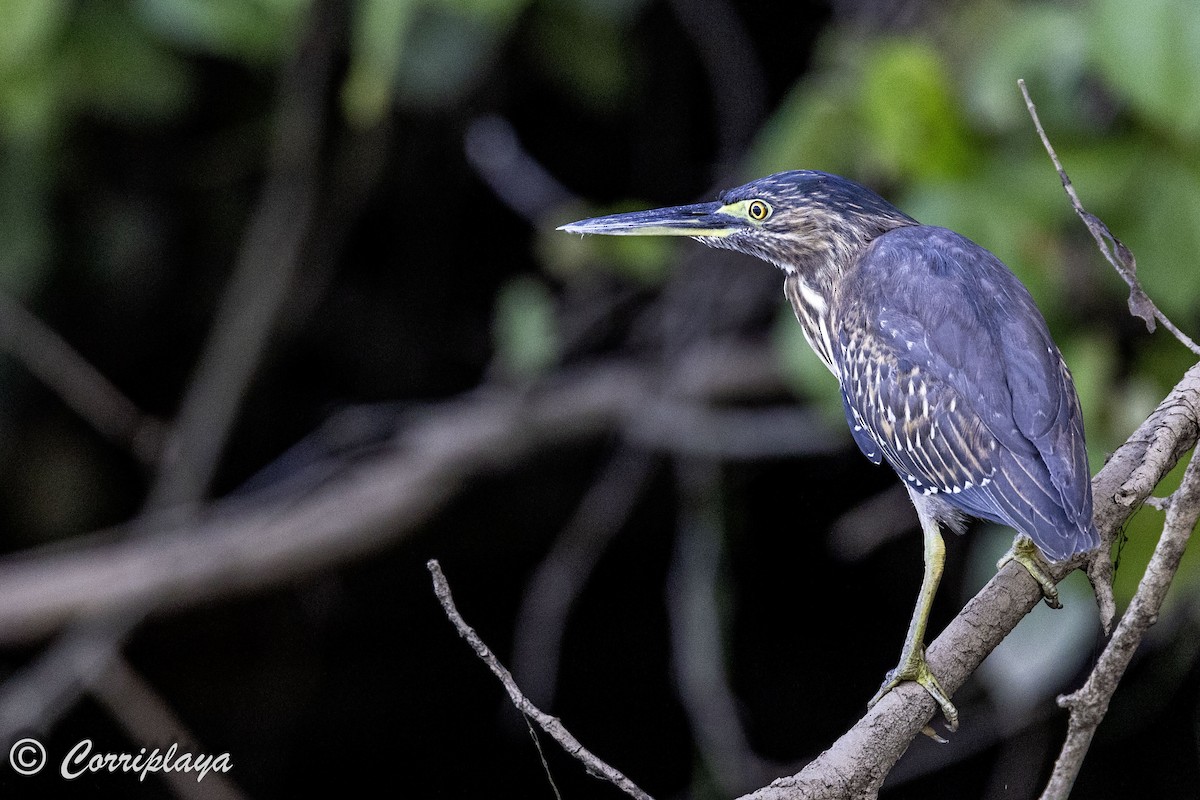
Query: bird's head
(803, 220)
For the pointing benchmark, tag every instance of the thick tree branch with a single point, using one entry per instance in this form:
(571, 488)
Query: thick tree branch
(857, 763)
(250, 542)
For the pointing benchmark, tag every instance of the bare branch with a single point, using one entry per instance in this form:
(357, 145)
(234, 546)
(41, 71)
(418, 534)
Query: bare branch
(249, 544)
(254, 541)
(551, 725)
(515, 176)
(193, 446)
(1116, 253)
(857, 763)
(147, 717)
(77, 383)
(559, 579)
(262, 277)
(697, 656)
(1089, 704)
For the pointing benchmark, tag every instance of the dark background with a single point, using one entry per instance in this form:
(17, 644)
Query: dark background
(440, 146)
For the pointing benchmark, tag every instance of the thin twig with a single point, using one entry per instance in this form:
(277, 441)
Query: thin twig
(697, 640)
(537, 743)
(262, 277)
(1116, 253)
(551, 725)
(1090, 703)
(150, 721)
(558, 581)
(516, 177)
(53, 361)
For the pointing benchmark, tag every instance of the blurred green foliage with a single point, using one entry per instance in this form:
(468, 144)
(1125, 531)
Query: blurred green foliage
(61, 61)
(931, 117)
(524, 328)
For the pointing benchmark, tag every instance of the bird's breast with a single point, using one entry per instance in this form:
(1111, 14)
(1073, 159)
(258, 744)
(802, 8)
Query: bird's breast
(811, 307)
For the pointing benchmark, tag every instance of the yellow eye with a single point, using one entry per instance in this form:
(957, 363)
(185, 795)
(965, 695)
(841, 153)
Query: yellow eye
(758, 210)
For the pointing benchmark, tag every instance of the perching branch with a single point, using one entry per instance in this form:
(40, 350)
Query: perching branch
(1089, 704)
(1116, 253)
(551, 725)
(856, 765)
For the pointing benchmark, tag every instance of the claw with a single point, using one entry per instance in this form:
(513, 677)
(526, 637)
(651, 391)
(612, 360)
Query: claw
(914, 667)
(1026, 553)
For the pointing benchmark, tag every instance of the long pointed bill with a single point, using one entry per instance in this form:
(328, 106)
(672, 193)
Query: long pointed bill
(701, 219)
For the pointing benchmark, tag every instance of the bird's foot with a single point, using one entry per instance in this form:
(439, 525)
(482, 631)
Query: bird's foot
(1026, 553)
(914, 667)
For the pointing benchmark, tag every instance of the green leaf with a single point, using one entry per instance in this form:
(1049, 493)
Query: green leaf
(376, 46)
(525, 328)
(909, 110)
(1149, 52)
(115, 69)
(27, 31)
(1042, 43)
(257, 32)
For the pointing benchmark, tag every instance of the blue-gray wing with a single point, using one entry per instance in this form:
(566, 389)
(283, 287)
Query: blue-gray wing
(948, 371)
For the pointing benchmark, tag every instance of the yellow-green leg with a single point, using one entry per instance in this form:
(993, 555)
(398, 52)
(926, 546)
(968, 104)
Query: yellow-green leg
(1026, 553)
(912, 666)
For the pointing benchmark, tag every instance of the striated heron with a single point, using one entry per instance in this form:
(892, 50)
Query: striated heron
(946, 367)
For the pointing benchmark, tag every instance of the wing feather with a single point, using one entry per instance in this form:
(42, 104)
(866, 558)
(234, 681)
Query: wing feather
(948, 371)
